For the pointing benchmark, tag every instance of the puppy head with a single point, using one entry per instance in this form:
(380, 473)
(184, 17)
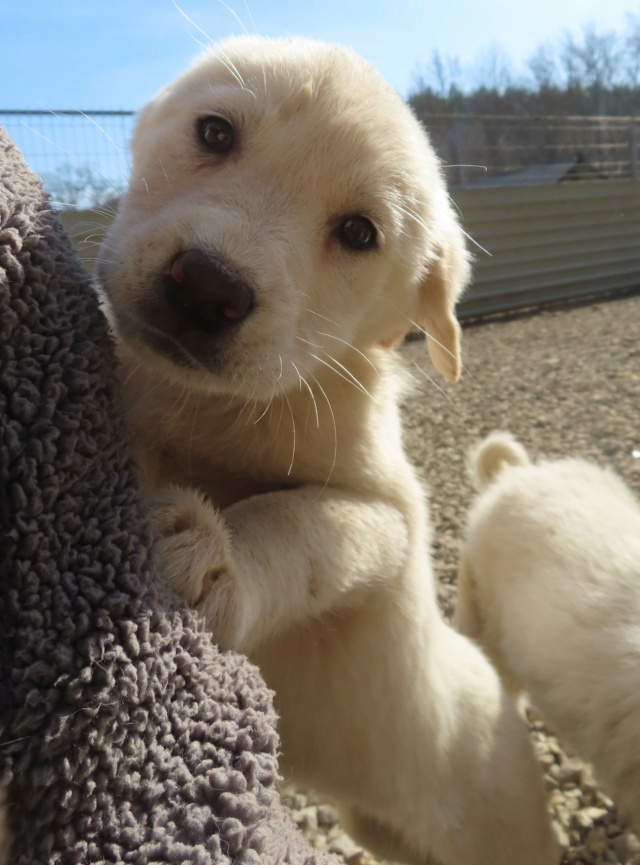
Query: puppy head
(284, 205)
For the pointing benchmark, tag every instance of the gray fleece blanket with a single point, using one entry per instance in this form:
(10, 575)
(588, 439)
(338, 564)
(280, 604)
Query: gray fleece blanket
(125, 736)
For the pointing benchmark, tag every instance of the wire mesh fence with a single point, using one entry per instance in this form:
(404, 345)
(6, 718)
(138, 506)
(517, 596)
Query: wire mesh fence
(508, 150)
(82, 156)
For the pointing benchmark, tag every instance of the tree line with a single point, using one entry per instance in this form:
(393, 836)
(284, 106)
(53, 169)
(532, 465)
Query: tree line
(575, 103)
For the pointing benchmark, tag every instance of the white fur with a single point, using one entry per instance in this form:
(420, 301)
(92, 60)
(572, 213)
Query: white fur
(550, 588)
(291, 515)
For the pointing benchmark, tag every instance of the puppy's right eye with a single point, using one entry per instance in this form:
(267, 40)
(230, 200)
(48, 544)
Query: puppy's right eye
(358, 232)
(216, 133)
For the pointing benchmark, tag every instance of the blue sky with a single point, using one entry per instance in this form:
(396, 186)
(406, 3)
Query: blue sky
(114, 54)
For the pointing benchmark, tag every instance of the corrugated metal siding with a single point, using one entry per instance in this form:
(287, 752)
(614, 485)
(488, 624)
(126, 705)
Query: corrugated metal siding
(547, 243)
(550, 243)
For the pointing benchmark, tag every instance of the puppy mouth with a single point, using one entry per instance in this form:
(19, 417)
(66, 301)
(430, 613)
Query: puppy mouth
(136, 329)
(199, 303)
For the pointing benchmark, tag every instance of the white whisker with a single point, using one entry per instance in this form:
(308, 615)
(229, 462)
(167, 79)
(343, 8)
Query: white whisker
(118, 147)
(253, 23)
(193, 23)
(335, 432)
(306, 383)
(351, 346)
(130, 374)
(90, 238)
(355, 383)
(166, 176)
(351, 377)
(273, 390)
(326, 317)
(434, 383)
(100, 209)
(319, 314)
(475, 243)
(293, 422)
(235, 15)
(228, 64)
(413, 215)
(246, 403)
(234, 396)
(217, 51)
(69, 153)
(178, 404)
(280, 418)
(268, 406)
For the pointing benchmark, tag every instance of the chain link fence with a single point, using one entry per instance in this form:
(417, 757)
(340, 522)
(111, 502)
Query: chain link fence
(82, 156)
(520, 150)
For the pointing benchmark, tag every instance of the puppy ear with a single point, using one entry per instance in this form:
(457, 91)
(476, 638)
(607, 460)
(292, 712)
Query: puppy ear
(447, 274)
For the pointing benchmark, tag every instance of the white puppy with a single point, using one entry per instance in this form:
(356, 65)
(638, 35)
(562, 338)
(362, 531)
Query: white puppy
(550, 587)
(285, 224)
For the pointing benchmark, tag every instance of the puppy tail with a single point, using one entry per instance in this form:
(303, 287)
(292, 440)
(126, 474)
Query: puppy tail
(489, 458)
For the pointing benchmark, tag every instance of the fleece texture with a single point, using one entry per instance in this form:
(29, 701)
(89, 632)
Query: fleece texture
(125, 735)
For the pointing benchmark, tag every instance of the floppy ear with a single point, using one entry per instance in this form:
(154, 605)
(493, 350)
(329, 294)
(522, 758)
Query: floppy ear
(447, 275)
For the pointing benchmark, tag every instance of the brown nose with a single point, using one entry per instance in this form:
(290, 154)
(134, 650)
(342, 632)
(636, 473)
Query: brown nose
(206, 293)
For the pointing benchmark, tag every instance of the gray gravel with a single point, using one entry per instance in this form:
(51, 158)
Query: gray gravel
(565, 383)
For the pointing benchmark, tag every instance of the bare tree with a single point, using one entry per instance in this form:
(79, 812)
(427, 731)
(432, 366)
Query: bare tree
(442, 76)
(574, 109)
(543, 66)
(631, 51)
(493, 70)
(593, 62)
(79, 186)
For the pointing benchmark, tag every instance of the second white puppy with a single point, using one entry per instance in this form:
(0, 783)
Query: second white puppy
(549, 586)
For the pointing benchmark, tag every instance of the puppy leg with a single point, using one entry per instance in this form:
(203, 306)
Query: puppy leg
(470, 620)
(195, 552)
(381, 838)
(277, 559)
(454, 780)
(489, 792)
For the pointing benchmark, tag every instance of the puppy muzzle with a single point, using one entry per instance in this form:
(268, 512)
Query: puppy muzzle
(198, 306)
(205, 293)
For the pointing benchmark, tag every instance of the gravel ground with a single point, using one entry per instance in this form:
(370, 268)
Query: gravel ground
(565, 382)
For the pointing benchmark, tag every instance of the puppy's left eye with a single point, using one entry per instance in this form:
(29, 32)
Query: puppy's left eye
(358, 232)
(216, 133)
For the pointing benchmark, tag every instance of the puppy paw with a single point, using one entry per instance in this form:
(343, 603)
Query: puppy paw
(195, 551)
